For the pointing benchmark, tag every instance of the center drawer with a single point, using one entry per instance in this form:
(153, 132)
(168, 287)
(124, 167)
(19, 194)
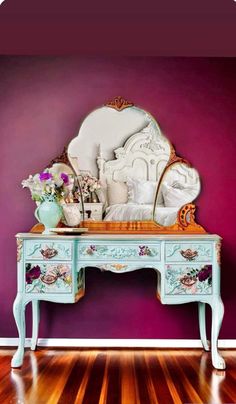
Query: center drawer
(145, 252)
(188, 252)
(48, 250)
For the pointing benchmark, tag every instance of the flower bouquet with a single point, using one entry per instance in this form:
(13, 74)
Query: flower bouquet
(89, 187)
(48, 185)
(48, 189)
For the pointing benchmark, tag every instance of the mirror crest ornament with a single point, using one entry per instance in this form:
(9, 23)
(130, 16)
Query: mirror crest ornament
(142, 151)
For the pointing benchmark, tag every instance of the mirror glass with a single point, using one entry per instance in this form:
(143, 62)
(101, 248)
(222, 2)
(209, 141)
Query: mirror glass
(123, 169)
(119, 156)
(180, 184)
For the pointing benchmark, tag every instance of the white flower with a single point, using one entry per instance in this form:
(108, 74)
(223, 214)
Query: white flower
(58, 181)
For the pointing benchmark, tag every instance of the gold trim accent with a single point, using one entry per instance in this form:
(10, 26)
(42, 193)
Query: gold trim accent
(19, 243)
(185, 223)
(119, 267)
(172, 160)
(79, 295)
(119, 103)
(186, 215)
(158, 296)
(218, 252)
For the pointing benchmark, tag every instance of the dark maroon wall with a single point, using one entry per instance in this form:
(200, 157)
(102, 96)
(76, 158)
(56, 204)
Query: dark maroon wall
(42, 103)
(130, 27)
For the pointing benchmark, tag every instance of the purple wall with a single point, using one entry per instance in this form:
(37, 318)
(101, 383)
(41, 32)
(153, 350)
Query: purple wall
(42, 103)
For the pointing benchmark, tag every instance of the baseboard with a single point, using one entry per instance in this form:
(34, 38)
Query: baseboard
(117, 343)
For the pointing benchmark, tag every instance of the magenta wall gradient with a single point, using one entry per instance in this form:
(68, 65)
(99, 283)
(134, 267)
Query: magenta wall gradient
(42, 104)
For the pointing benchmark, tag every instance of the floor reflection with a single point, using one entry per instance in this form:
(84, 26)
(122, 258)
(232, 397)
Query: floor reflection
(216, 378)
(17, 377)
(51, 375)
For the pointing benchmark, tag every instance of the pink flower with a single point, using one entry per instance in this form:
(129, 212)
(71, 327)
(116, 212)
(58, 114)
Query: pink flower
(45, 176)
(33, 273)
(65, 178)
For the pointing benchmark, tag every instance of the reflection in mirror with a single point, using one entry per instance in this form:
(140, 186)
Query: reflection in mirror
(120, 156)
(179, 185)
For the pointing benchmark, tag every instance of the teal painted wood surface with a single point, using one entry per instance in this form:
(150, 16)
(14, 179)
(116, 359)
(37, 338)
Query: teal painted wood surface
(53, 268)
(36, 250)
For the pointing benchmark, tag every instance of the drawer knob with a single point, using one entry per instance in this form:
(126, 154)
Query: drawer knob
(189, 254)
(48, 253)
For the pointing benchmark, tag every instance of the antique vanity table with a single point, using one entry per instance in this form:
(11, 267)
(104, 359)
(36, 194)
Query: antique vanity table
(186, 259)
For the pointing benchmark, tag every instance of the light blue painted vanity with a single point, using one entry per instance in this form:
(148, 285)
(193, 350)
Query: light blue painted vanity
(148, 222)
(53, 268)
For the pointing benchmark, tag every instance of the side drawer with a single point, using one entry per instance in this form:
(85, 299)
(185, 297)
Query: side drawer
(188, 252)
(183, 279)
(42, 277)
(145, 252)
(48, 250)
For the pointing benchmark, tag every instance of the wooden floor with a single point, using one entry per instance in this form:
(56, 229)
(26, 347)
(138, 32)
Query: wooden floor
(117, 376)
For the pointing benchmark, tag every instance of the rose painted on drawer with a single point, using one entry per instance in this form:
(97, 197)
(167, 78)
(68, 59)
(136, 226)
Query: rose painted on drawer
(181, 280)
(48, 278)
(48, 250)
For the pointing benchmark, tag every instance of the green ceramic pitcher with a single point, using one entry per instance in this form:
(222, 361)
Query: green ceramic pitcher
(49, 213)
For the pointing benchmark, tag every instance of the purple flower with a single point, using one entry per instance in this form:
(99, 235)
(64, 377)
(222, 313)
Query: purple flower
(205, 273)
(33, 273)
(144, 250)
(65, 178)
(45, 176)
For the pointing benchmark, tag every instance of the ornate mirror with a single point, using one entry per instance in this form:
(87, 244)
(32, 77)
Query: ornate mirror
(129, 177)
(178, 187)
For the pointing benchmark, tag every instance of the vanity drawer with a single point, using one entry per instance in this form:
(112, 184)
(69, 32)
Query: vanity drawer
(189, 279)
(48, 250)
(188, 252)
(145, 252)
(42, 277)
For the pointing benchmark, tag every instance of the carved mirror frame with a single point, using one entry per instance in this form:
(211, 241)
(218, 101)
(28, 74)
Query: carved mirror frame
(185, 222)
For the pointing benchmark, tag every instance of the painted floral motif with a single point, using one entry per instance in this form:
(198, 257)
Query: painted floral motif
(49, 253)
(189, 254)
(118, 252)
(91, 249)
(144, 250)
(48, 250)
(46, 278)
(32, 273)
(205, 273)
(189, 280)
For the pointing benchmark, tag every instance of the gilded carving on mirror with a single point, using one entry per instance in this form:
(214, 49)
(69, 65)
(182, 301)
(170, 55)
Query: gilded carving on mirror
(143, 186)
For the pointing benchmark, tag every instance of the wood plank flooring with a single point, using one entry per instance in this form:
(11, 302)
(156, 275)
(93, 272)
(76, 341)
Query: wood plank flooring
(117, 376)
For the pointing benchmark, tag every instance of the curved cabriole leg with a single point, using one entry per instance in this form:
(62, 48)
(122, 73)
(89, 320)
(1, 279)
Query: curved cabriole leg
(202, 325)
(35, 327)
(217, 317)
(19, 315)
